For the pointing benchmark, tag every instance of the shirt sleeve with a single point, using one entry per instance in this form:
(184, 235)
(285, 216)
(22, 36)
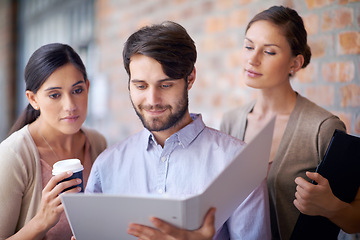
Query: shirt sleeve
(94, 183)
(251, 220)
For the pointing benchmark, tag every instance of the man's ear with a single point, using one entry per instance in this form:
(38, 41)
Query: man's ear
(32, 99)
(191, 78)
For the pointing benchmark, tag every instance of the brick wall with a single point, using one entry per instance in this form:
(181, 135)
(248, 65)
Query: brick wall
(331, 80)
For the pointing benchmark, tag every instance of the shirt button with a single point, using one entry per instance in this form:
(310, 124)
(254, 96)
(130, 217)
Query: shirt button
(160, 191)
(163, 159)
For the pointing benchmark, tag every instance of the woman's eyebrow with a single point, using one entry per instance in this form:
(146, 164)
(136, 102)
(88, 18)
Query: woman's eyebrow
(53, 88)
(266, 45)
(81, 81)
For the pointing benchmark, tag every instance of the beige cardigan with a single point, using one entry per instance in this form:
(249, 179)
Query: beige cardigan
(20, 178)
(302, 147)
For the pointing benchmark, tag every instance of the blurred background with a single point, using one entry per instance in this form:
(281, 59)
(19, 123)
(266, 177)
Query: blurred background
(97, 29)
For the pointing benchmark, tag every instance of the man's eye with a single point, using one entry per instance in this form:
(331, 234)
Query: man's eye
(165, 85)
(141, 87)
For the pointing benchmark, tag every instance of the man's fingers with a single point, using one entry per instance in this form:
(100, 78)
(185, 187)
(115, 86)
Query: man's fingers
(141, 231)
(208, 228)
(209, 220)
(167, 228)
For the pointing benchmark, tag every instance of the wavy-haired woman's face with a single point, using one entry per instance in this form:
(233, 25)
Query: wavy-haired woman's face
(266, 56)
(62, 100)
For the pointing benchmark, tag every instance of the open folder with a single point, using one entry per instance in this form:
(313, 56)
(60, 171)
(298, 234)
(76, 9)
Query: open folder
(102, 216)
(341, 167)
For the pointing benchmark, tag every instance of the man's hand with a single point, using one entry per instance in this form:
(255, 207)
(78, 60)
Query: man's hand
(166, 231)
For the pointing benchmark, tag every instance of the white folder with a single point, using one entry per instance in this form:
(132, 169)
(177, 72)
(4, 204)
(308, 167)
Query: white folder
(104, 216)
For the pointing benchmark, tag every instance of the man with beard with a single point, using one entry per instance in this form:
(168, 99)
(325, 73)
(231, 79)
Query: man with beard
(175, 153)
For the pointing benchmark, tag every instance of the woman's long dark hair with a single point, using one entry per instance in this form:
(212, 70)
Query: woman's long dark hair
(42, 63)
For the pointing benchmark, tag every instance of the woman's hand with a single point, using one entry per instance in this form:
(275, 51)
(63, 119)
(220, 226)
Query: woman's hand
(50, 206)
(165, 231)
(313, 199)
(319, 200)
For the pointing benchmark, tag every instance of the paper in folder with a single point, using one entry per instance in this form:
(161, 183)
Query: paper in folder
(341, 166)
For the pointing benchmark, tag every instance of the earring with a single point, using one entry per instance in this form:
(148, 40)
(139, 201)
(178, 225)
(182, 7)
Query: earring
(292, 73)
(36, 107)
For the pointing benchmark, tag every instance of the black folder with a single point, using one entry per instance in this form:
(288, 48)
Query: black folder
(341, 166)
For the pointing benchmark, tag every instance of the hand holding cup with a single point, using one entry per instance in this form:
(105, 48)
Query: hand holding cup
(73, 165)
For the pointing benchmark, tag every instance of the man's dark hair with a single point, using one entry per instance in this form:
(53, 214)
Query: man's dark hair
(168, 43)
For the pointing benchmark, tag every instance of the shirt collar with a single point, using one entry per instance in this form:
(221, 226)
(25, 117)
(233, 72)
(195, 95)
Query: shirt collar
(185, 135)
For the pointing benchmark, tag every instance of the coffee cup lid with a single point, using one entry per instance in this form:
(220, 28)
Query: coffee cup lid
(73, 165)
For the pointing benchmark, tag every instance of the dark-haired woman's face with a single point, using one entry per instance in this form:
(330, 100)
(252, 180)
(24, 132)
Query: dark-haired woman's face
(266, 56)
(62, 100)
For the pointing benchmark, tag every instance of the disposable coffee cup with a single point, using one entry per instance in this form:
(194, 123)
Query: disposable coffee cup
(73, 165)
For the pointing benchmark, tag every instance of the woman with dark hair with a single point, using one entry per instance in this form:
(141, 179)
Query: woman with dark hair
(50, 129)
(275, 48)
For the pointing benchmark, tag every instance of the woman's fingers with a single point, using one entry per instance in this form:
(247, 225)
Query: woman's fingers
(59, 188)
(56, 179)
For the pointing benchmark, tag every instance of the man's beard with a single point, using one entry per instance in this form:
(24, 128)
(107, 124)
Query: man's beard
(155, 123)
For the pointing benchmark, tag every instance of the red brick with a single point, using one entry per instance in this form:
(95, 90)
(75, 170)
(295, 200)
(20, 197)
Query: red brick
(350, 96)
(322, 95)
(319, 45)
(239, 18)
(311, 23)
(215, 24)
(216, 100)
(343, 2)
(343, 17)
(357, 125)
(337, 19)
(338, 71)
(223, 4)
(307, 74)
(346, 118)
(234, 59)
(318, 3)
(349, 42)
(230, 42)
(327, 21)
(346, 71)
(208, 44)
(216, 27)
(243, 2)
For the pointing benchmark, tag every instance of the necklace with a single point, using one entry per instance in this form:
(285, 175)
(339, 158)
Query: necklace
(56, 156)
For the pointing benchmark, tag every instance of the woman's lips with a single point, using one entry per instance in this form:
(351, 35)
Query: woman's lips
(251, 73)
(71, 118)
